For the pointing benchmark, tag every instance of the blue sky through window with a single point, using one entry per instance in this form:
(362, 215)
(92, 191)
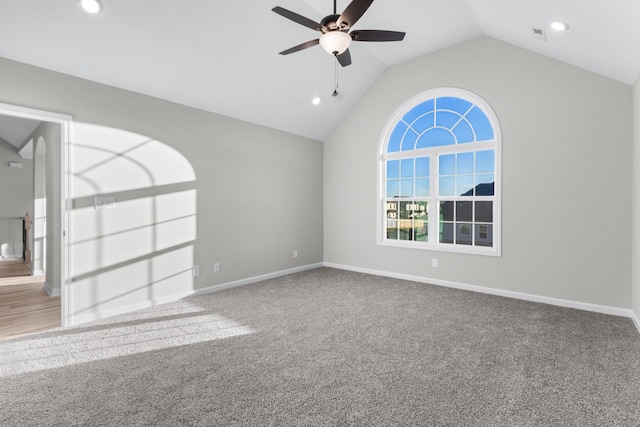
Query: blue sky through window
(440, 121)
(460, 173)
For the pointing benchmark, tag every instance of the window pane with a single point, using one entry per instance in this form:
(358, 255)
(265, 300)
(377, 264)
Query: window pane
(436, 137)
(463, 132)
(393, 188)
(421, 211)
(465, 163)
(393, 169)
(464, 185)
(484, 185)
(446, 186)
(406, 168)
(420, 231)
(422, 187)
(418, 111)
(484, 211)
(396, 138)
(405, 210)
(484, 235)
(409, 140)
(463, 234)
(446, 232)
(446, 164)
(453, 103)
(481, 124)
(392, 210)
(423, 123)
(406, 188)
(422, 166)
(446, 119)
(446, 211)
(485, 161)
(405, 229)
(464, 211)
(392, 229)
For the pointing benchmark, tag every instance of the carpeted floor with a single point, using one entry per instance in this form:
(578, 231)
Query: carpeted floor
(329, 347)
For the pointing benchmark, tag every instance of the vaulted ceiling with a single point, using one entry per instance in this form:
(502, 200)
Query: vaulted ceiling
(222, 56)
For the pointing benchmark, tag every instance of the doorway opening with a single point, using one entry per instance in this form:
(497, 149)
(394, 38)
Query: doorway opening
(52, 200)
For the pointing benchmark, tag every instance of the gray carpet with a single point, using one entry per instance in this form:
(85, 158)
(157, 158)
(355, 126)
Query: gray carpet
(329, 347)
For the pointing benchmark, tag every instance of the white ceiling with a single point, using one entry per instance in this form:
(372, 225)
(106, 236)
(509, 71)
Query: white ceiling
(222, 56)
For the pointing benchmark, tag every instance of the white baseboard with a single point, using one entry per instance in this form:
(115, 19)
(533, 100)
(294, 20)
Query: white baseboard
(8, 257)
(78, 319)
(615, 311)
(255, 279)
(51, 291)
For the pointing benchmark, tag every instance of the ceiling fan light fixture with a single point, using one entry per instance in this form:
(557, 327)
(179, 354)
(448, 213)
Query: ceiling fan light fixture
(335, 42)
(91, 6)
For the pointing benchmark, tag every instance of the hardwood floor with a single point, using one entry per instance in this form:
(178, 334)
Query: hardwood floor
(25, 307)
(13, 268)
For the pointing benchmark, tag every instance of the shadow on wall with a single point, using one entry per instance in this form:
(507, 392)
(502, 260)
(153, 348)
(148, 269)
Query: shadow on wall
(141, 247)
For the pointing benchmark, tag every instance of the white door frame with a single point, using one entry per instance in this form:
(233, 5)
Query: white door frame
(64, 225)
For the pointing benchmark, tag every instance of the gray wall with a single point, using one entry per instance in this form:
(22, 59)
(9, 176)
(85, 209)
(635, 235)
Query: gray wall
(191, 188)
(16, 199)
(636, 200)
(567, 143)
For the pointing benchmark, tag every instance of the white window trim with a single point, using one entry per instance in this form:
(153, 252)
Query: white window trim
(381, 239)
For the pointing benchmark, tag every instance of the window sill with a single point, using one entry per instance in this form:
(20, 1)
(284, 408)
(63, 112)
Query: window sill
(469, 250)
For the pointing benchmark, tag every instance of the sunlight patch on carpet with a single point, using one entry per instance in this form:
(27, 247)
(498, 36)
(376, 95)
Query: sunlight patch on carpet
(90, 344)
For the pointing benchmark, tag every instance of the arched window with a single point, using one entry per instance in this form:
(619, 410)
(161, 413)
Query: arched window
(440, 174)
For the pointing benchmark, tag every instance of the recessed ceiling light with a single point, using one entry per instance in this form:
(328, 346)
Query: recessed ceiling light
(91, 6)
(316, 101)
(559, 26)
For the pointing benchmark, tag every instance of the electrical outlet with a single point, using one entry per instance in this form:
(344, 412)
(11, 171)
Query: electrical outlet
(434, 262)
(295, 253)
(195, 270)
(216, 267)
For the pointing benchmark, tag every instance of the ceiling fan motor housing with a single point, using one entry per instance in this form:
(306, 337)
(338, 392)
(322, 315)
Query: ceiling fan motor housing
(330, 23)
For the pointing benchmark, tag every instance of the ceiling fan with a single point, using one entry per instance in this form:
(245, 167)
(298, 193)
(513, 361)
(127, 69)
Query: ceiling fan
(336, 37)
